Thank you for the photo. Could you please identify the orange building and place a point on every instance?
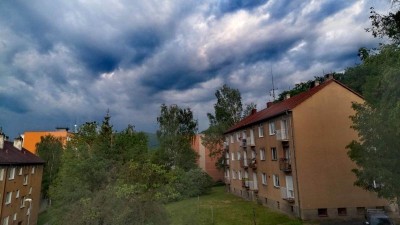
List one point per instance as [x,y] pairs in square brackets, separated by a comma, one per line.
[31,138]
[292,156]
[20,183]
[204,161]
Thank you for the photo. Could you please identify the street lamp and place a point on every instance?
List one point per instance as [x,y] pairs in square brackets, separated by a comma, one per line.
[30,206]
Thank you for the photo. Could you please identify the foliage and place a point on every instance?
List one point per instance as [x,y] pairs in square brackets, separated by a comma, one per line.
[49,149]
[377,122]
[177,129]
[299,88]
[385,25]
[191,183]
[248,109]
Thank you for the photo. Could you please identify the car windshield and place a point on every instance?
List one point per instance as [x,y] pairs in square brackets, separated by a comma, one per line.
[380,221]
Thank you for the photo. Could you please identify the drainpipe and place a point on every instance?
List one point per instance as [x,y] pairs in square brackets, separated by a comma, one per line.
[294,159]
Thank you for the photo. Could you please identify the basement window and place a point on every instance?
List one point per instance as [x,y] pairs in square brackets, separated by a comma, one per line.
[360,210]
[342,211]
[322,212]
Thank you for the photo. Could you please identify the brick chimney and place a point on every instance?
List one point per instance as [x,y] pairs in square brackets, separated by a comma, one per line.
[287,96]
[329,76]
[18,143]
[253,111]
[2,139]
[316,83]
[269,104]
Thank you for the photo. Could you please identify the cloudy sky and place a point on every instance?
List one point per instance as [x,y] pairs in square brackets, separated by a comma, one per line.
[69,61]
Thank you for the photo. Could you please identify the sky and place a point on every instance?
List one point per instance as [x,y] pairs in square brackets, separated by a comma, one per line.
[68,62]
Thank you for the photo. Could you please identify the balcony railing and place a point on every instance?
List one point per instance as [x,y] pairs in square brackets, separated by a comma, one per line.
[285,165]
[253,164]
[282,135]
[244,163]
[287,194]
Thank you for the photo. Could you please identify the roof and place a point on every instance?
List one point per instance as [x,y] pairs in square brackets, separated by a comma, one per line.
[283,106]
[11,155]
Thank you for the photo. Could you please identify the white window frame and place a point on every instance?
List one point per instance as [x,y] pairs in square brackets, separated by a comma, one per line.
[260,130]
[17,194]
[26,179]
[262,154]
[272,129]
[237,136]
[244,135]
[11,173]
[276,180]
[30,190]
[22,202]
[1,174]
[238,155]
[240,175]
[233,174]
[264,178]
[33,169]
[227,174]
[8,198]
[233,156]
[20,171]
[5,220]
[15,217]
[231,138]
[274,154]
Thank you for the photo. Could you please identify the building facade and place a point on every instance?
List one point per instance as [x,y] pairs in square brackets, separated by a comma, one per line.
[205,162]
[292,156]
[20,183]
[31,138]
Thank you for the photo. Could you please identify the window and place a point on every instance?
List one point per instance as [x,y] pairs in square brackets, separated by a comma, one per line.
[8,197]
[30,190]
[1,174]
[237,136]
[25,179]
[233,174]
[33,169]
[244,136]
[271,128]
[262,154]
[22,202]
[20,171]
[238,156]
[233,156]
[274,155]
[15,216]
[17,194]
[322,212]
[264,178]
[11,173]
[227,174]
[342,211]
[231,138]
[260,131]
[239,174]
[276,180]
[5,221]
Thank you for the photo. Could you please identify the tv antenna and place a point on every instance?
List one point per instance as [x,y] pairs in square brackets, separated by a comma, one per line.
[272,92]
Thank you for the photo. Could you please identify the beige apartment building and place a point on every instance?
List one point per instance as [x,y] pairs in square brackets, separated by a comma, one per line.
[292,156]
[20,183]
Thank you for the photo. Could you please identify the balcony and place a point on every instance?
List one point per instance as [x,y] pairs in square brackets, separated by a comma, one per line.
[243,143]
[253,164]
[246,183]
[282,135]
[285,165]
[287,194]
[253,186]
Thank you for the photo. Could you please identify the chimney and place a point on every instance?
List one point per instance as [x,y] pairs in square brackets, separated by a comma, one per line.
[253,111]
[329,76]
[18,143]
[2,139]
[269,104]
[316,83]
[287,96]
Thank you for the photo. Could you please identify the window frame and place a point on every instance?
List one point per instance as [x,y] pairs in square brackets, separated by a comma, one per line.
[262,154]
[260,130]
[272,128]
[276,180]
[274,154]
[8,198]
[11,173]
[264,179]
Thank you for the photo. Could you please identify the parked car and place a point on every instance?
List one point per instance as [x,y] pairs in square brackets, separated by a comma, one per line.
[377,217]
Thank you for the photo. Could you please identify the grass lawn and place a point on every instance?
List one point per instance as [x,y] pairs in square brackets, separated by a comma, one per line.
[43,218]
[221,208]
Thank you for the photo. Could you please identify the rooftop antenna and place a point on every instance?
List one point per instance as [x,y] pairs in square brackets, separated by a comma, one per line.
[272,92]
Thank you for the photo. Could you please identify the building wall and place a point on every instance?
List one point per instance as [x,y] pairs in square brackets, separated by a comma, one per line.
[321,133]
[206,162]
[31,138]
[29,190]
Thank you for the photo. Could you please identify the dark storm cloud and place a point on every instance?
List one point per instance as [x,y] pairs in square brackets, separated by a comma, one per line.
[233,5]
[13,104]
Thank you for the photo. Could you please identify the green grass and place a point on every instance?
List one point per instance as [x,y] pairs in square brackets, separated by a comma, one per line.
[222,208]
[43,218]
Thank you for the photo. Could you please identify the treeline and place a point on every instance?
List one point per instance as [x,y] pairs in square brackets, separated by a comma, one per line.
[106,177]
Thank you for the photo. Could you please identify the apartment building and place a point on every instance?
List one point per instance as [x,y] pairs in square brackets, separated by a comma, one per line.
[20,183]
[205,162]
[292,156]
[32,138]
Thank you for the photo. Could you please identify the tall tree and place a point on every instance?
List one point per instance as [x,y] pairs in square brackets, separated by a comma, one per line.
[227,111]
[377,121]
[177,129]
[49,149]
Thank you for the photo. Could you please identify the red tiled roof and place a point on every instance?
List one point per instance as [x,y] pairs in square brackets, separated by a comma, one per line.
[11,155]
[281,107]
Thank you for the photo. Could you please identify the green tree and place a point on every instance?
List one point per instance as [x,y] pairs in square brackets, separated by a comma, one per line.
[378,124]
[386,25]
[227,111]
[49,149]
[177,129]
[248,109]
